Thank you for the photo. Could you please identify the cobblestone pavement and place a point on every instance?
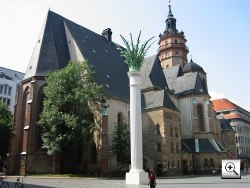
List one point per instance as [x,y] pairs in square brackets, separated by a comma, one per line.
[177,182]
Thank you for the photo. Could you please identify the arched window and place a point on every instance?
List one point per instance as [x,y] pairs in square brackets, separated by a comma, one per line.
[158,131]
[173,164]
[38,130]
[120,118]
[25,120]
[212,165]
[200,117]
[205,164]
[93,154]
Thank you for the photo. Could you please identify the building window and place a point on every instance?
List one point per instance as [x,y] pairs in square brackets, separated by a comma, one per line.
[120,118]
[177,149]
[172,148]
[212,163]
[173,164]
[158,132]
[200,117]
[175,41]
[158,147]
[178,164]
[176,52]
[1,89]
[5,89]
[9,90]
[171,131]
[6,101]
[176,132]
[205,163]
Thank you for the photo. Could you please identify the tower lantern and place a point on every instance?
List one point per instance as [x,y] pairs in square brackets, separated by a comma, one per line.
[173,49]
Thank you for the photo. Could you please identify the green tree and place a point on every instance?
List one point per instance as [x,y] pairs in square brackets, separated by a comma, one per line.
[66,117]
[121,143]
[5,129]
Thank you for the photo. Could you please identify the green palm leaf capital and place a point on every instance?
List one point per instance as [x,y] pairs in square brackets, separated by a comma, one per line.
[134,54]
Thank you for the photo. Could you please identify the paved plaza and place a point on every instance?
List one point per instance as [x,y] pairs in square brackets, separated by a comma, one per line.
[172,182]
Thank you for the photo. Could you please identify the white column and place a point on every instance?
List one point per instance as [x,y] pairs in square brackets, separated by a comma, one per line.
[136,175]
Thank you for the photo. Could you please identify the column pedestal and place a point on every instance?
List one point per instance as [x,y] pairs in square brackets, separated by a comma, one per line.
[137,178]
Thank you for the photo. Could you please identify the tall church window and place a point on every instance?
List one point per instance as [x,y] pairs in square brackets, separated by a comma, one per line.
[158,132]
[200,117]
[205,163]
[120,118]
[212,163]
[38,130]
[25,120]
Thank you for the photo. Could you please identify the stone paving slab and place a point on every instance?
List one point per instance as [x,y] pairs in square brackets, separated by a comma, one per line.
[180,182]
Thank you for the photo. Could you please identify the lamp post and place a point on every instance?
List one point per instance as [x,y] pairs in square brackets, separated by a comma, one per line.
[110,159]
[104,139]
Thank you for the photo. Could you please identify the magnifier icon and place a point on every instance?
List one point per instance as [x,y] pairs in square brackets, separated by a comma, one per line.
[230,167]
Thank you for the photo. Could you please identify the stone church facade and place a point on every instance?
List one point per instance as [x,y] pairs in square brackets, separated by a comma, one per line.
[180,131]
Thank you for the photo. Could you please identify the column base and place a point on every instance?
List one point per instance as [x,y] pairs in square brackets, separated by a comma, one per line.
[137,178]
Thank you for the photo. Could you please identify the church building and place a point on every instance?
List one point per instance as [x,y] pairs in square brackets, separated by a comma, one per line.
[181,134]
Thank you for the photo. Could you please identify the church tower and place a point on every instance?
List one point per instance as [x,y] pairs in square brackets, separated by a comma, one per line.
[173,50]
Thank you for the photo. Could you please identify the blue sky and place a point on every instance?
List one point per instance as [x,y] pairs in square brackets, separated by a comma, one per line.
[217,33]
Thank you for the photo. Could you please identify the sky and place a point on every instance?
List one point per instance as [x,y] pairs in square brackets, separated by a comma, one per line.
[217,33]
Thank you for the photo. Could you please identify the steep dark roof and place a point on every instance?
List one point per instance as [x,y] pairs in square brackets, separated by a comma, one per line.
[11,74]
[183,85]
[51,51]
[154,99]
[192,67]
[111,71]
[225,125]
[152,74]
[201,146]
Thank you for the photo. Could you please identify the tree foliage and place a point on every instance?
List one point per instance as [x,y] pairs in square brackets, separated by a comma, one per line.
[5,129]
[121,143]
[134,53]
[66,116]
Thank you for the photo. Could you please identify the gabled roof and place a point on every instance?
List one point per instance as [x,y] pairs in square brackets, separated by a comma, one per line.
[152,74]
[155,99]
[111,71]
[186,84]
[51,51]
[223,104]
[11,74]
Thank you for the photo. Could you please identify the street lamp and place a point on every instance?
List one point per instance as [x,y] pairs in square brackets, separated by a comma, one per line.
[110,158]
[105,153]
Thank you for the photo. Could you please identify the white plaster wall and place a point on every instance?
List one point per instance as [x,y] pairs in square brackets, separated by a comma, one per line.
[116,106]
